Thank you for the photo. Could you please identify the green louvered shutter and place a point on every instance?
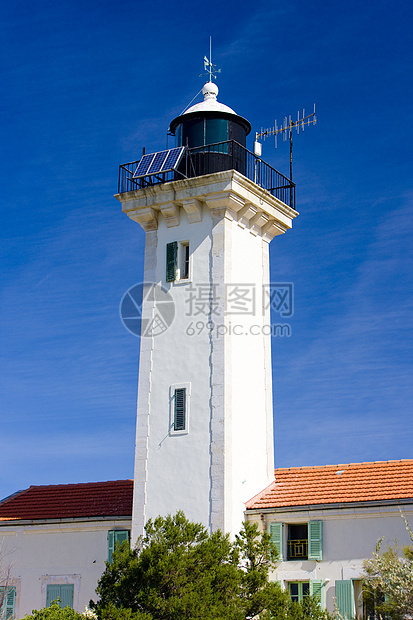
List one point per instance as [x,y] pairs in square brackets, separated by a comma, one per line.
[121,536]
[52,594]
[171,254]
[7,608]
[116,536]
[317,590]
[66,595]
[179,409]
[276,532]
[315,539]
[60,592]
[111,544]
[345,598]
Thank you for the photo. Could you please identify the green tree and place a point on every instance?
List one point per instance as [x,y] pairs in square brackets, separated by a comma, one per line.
[388,581]
[55,612]
[178,571]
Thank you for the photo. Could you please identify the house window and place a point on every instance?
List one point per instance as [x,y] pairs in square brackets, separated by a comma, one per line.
[62,593]
[297,541]
[116,537]
[298,590]
[179,408]
[304,540]
[177,261]
[7,602]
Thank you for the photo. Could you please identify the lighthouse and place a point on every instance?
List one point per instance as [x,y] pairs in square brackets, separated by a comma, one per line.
[209,208]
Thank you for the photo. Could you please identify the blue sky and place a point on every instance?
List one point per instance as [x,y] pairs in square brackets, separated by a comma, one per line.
[85,86]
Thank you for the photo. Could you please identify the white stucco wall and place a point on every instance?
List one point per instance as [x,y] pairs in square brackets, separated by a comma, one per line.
[55,553]
[349,537]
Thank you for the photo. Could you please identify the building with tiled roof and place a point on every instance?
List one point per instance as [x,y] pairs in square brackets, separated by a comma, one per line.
[325,521]
[70,501]
[57,538]
[380,481]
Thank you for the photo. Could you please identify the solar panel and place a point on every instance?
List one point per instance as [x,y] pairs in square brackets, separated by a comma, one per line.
[143,165]
[162,161]
[173,157]
[157,162]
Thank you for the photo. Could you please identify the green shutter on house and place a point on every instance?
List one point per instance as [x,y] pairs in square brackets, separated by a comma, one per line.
[61,592]
[179,409]
[315,538]
[317,591]
[114,537]
[8,596]
[66,595]
[111,544]
[345,598]
[171,256]
[121,536]
[276,533]
[52,594]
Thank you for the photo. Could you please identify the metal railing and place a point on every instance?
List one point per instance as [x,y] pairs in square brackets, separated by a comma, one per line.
[211,158]
[297,549]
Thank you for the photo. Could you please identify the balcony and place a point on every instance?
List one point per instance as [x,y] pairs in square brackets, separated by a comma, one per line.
[297,549]
[213,158]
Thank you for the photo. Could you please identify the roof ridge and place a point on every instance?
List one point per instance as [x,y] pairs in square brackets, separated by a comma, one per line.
[75,484]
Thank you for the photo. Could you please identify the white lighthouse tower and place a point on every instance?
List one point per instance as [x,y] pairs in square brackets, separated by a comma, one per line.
[209,207]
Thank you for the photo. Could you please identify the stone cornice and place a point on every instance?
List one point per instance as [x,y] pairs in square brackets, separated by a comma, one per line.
[227,194]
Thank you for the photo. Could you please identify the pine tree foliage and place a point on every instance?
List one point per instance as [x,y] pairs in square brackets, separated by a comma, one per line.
[178,571]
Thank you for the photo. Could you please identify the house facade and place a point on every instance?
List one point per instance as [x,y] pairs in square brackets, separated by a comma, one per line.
[325,521]
[54,542]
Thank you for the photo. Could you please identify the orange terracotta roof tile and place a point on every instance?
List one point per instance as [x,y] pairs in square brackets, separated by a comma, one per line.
[91,499]
[336,484]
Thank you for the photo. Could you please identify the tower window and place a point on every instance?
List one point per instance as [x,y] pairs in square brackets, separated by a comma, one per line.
[179,395]
[179,409]
[177,261]
[184,270]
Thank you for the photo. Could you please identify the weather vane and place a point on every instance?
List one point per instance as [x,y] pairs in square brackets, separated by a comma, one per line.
[209,68]
[287,131]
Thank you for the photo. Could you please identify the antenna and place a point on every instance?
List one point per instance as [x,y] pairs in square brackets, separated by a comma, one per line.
[209,68]
[286,128]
